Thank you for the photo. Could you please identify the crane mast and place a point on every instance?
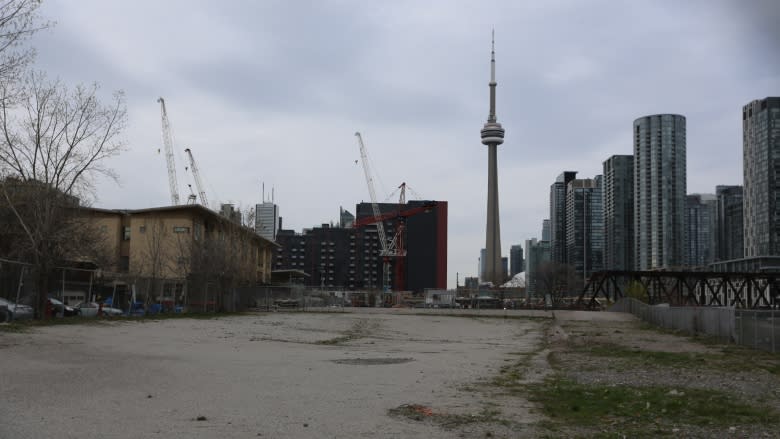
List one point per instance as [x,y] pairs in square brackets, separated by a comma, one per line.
[168,143]
[198,182]
[385,251]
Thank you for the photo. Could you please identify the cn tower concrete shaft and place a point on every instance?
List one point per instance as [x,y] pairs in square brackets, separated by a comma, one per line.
[492,136]
[494,269]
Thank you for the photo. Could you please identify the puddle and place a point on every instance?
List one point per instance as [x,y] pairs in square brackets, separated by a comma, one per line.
[373,361]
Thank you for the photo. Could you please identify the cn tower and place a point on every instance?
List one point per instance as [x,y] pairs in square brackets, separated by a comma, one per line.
[492,136]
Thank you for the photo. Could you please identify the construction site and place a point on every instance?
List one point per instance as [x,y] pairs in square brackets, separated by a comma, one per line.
[386,254]
[193,255]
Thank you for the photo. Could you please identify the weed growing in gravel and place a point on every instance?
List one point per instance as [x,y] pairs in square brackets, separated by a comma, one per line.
[640,408]
[509,376]
[335,340]
[358,330]
[731,358]
[657,358]
[15,328]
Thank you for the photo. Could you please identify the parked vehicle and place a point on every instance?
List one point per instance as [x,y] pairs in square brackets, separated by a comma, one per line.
[90,309]
[15,311]
[59,309]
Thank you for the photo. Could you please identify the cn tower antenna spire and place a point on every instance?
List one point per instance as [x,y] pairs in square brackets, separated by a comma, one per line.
[492,83]
[493,57]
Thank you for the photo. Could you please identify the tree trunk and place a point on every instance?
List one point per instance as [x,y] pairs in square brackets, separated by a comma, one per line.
[43,292]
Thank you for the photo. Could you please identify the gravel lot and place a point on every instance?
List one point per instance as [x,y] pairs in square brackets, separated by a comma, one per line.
[275,375]
[373,373]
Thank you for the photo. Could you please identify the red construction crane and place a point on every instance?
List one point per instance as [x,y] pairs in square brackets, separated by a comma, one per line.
[398,242]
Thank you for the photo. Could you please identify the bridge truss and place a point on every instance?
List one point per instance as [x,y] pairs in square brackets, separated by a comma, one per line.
[685,288]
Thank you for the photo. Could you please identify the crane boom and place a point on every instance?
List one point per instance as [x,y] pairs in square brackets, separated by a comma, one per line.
[198,182]
[385,251]
[168,143]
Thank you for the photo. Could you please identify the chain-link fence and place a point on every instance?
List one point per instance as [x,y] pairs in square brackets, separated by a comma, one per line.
[714,321]
[298,297]
[20,284]
[16,283]
[137,296]
[759,329]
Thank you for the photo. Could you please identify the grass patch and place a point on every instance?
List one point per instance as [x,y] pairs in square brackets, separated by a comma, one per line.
[645,357]
[14,328]
[730,358]
[758,359]
[569,403]
[509,376]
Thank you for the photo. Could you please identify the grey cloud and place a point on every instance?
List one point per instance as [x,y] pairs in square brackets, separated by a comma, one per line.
[289,82]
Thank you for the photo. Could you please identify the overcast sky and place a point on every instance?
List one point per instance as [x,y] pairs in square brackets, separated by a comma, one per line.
[273,91]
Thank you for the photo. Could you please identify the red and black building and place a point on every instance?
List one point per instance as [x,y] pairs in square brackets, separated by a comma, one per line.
[349,257]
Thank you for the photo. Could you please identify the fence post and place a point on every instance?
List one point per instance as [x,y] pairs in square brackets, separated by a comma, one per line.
[205,297]
[755,329]
[19,285]
[741,339]
[772,330]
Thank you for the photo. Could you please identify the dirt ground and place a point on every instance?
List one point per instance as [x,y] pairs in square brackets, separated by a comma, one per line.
[275,375]
[365,373]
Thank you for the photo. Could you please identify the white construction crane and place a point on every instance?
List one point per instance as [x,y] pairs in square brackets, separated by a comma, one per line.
[168,142]
[386,252]
[198,182]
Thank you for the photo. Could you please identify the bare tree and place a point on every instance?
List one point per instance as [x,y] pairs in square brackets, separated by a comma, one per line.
[53,143]
[219,262]
[556,279]
[249,218]
[157,261]
[19,20]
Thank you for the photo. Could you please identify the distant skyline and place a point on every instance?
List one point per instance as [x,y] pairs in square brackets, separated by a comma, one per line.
[273,91]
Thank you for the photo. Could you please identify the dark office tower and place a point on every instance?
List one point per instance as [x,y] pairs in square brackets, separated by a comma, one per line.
[546,230]
[425,265]
[558,216]
[728,223]
[659,191]
[584,226]
[700,220]
[537,253]
[618,194]
[761,169]
[516,260]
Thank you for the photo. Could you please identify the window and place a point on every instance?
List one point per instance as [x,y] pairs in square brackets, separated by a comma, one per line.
[126,233]
[179,229]
[104,228]
[142,229]
[197,231]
